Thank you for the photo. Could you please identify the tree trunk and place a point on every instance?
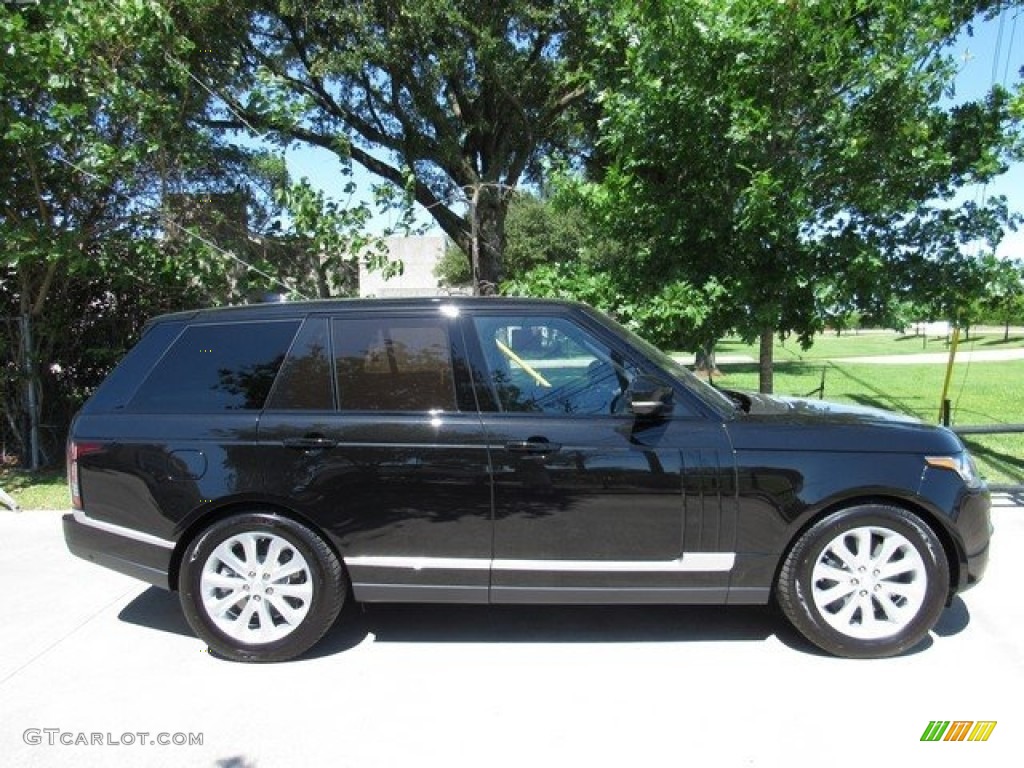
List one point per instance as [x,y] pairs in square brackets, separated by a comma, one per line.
[488,209]
[1006,330]
[766,374]
[323,288]
[30,372]
[704,358]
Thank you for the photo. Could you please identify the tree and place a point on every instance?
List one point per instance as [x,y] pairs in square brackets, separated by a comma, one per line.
[553,252]
[539,230]
[1004,295]
[326,240]
[783,158]
[454,100]
[95,140]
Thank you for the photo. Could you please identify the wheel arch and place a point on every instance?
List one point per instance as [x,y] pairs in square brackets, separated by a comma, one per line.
[243,506]
[953,550]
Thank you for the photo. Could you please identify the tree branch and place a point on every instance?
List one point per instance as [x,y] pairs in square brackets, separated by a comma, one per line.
[453,225]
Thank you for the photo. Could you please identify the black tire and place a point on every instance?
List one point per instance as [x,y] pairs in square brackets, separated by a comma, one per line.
[288,595]
[867,581]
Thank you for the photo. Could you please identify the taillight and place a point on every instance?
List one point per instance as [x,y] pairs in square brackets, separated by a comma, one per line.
[75,451]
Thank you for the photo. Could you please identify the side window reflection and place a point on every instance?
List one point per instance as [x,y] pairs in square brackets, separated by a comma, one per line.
[217,367]
[551,365]
[396,364]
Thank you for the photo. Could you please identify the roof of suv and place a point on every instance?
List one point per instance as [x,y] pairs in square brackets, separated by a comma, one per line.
[298,308]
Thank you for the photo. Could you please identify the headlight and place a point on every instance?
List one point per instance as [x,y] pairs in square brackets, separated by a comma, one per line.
[961,463]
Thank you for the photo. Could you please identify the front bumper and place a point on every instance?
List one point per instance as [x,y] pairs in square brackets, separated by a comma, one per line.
[129,552]
[974,524]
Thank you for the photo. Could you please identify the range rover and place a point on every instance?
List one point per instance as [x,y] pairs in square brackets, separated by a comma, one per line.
[270,462]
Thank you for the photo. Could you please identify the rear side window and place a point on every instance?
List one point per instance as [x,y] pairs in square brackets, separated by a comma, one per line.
[217,367]
[394,364]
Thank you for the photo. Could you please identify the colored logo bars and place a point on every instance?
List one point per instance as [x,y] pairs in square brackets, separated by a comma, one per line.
[958,730]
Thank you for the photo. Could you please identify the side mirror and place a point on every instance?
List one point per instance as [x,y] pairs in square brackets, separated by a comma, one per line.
[647,396]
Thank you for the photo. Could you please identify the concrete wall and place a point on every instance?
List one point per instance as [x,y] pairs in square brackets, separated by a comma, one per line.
[420,256]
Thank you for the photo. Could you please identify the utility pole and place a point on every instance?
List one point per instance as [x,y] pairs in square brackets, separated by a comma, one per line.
[474,233]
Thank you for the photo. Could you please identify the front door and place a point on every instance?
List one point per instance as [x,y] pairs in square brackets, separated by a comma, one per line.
[592,503]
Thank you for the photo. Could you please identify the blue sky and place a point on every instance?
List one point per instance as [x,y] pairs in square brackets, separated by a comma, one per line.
[994,54]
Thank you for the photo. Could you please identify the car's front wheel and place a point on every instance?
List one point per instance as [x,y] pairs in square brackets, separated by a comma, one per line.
[260,587]
[867,581]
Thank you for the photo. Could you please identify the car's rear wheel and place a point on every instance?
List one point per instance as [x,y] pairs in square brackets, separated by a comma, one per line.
[865,582]
[260,587]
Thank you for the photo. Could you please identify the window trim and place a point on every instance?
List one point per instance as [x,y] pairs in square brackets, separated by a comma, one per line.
[332,384]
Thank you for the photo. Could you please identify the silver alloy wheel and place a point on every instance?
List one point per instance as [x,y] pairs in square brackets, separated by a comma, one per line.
[256,587]
[869,582]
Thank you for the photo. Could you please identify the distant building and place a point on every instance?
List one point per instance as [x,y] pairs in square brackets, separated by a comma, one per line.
[420,256]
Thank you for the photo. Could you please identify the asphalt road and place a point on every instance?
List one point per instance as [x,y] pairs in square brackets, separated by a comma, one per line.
[87,656]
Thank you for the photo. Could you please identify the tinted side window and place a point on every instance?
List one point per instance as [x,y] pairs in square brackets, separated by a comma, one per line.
[551,365]
[305,379]
[217,367]
[394,364]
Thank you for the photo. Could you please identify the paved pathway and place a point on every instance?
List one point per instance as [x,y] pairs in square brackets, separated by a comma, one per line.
[964,356]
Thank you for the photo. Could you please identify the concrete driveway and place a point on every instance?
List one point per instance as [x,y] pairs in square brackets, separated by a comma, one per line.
[109,666]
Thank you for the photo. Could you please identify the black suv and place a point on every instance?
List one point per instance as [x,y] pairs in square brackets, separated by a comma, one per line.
[269,462]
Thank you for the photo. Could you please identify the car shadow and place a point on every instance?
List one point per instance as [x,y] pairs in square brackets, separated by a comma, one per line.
[157,609]
[953,620]
[545,624]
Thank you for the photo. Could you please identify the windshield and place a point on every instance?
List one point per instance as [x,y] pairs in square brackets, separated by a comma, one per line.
[710,396]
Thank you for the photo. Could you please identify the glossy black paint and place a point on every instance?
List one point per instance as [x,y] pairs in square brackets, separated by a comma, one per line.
[478,504]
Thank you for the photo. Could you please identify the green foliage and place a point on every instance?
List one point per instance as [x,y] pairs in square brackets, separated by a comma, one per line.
[1003,301]
[100,161]
[553,251]
[543,231]
[36,490]
[453,100]
[330,240]
[539,231]
[791,153]
[454,269]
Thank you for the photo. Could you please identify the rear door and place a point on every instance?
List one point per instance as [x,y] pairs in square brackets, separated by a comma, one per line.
[373,431]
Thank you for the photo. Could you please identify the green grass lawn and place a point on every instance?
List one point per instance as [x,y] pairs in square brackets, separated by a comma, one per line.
[36,490]
[981,392]
[872,343]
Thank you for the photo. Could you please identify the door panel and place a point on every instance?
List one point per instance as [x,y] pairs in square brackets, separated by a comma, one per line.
[614,515]
[593,504]
[399,475]
[405,497]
